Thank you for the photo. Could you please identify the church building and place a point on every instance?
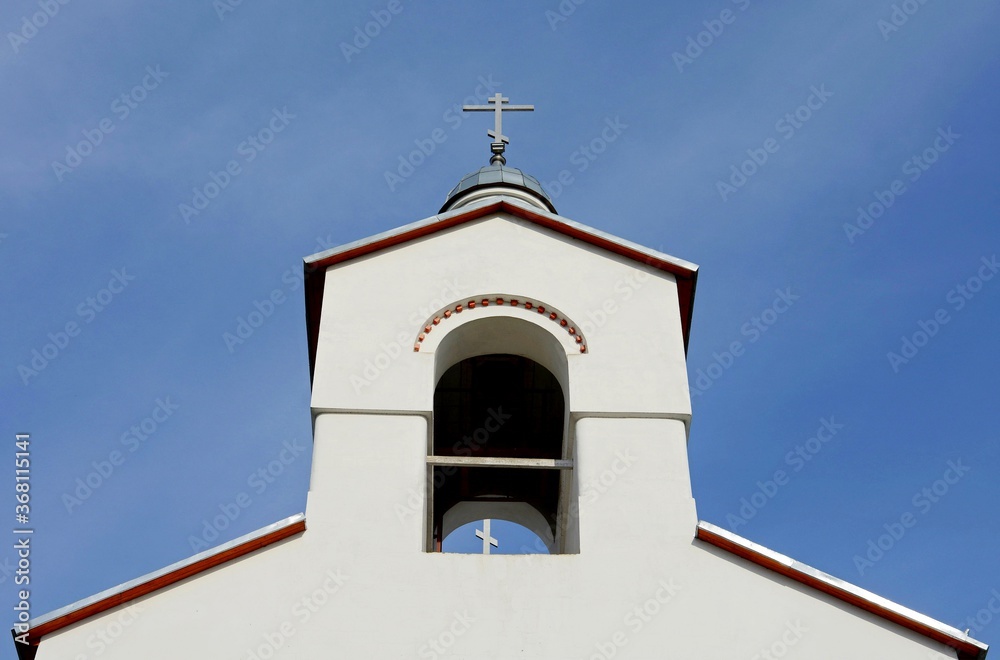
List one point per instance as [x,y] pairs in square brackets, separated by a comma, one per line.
[495,363]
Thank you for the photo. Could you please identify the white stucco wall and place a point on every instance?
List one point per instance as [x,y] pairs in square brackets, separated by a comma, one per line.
[375,306]
[358,583]
[394,599]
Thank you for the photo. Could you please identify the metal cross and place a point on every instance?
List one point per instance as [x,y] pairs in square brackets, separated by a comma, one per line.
[497,105]
[485,536]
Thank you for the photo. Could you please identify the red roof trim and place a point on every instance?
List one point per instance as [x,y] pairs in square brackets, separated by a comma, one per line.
[35,634]
[315,281]
[966,651]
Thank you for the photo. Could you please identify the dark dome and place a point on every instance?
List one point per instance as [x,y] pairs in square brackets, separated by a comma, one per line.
[494,176]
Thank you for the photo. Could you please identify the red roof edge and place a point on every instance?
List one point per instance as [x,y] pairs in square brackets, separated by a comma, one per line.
[967,649]
[315,281]
[297,525]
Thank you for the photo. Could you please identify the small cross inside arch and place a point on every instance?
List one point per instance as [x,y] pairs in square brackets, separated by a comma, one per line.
[488,540]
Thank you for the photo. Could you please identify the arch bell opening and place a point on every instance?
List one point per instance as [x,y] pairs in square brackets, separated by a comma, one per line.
[500,442]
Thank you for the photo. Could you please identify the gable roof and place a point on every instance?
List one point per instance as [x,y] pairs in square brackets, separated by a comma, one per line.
[967,647]
[147,584]
[685,273]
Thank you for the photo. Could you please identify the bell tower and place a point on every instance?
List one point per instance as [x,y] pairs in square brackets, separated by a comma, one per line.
[499,362]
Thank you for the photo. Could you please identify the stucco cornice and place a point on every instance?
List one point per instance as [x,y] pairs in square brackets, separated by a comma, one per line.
[684,272]
[130,591]
[967,647]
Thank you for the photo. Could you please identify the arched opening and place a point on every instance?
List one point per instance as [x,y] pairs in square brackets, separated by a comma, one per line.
[496,537]
[498,448]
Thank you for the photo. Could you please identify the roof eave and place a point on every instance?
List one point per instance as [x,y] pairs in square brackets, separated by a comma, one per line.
[967,647]
[63,617]
[685,272]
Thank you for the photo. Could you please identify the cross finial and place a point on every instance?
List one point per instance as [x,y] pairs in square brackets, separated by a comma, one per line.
[487,539]
[500,141]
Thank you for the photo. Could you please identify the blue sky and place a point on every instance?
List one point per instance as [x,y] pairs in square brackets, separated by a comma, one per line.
[833,100]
